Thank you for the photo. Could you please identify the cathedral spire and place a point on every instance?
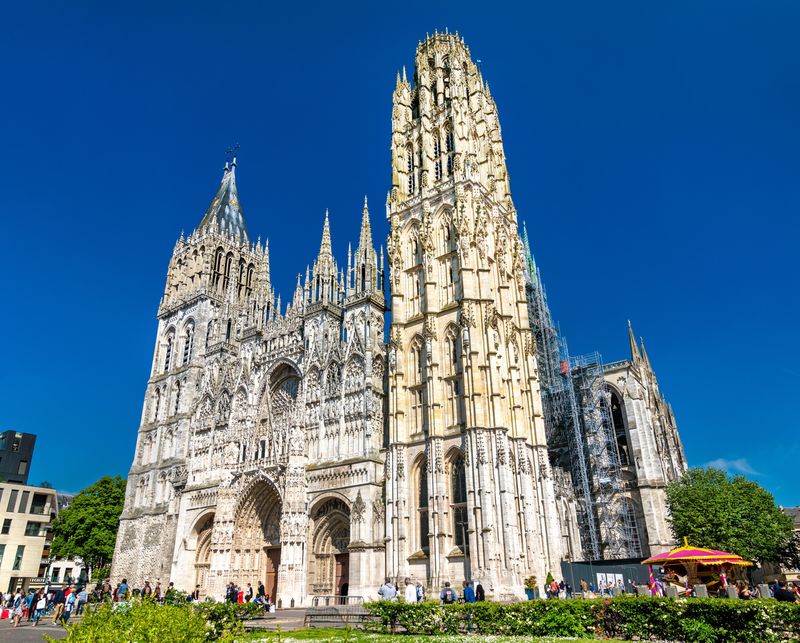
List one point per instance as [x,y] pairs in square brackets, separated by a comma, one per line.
[635,355]
[224,214]
[325,246]
[365,238]
[644,355]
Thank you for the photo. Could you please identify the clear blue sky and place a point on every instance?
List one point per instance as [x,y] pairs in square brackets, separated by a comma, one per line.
[653,149]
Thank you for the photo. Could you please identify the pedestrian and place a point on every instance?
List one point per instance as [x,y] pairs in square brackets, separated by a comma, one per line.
[30,601]
[40,607]
[83,598]
[387,592]
[420,592]
[17,606]
[58,602]
[248,597]
[261,591]
[584,587]
[157,592]
[196,594]
[447,595]
[469,593]
[784,595]
[480,595]
[410,592]
[122,590]
[743,590]
[69,604]
[147,592]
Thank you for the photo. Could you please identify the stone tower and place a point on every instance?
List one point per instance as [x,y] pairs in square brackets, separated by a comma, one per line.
[469,490]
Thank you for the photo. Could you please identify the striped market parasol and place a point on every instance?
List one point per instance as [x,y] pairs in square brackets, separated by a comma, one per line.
[688,554]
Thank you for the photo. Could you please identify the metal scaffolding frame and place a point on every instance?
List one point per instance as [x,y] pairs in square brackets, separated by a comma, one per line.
[580,431]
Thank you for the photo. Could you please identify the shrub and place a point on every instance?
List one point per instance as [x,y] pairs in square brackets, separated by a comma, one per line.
[709,620]
[225,619]
[140,622]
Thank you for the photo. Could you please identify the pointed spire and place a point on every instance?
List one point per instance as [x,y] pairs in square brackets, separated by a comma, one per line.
[325,246]
[365,238]
[405,80]
[635,355]
[224,214]
[644,355]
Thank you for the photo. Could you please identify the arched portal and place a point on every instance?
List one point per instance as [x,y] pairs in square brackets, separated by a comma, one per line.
[256,550]
[329,567]
[202,557]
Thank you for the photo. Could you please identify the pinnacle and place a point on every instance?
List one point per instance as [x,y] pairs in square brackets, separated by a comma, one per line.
[325,246]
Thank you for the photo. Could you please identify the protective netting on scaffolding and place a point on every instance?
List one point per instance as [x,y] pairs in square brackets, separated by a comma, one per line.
[580,431]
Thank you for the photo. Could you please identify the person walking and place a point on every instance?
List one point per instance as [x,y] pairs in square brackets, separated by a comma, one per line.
[261,591]
[147,592]
[249,594]
[122,591]
[30,602]
[447,595]
[40,605]
[480,594]
[83,598]
[69,604]
[420,592]
[58,603]
[196,594]
[17,606]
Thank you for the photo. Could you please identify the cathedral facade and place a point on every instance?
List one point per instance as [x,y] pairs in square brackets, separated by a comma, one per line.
[292,444]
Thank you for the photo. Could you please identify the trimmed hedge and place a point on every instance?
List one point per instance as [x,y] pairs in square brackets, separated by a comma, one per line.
[148,622]
[710,620]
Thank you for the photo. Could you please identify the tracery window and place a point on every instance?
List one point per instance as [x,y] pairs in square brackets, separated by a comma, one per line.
[176,410]
[458,495]
[168,352]
[156,404]
[437,155]
[450,147]
[422,507]
[410,170]
[188,342]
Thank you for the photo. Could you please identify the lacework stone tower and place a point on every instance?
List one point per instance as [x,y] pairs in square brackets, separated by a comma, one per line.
[258,455]
[469,491]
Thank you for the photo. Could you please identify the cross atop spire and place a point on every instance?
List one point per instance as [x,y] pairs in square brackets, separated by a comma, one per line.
[224,214]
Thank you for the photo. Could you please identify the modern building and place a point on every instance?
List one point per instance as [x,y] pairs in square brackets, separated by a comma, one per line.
[26,514]
[63,571]
[290,444]
[16,454]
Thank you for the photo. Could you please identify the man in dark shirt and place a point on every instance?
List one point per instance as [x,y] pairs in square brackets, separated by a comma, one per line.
[783,594]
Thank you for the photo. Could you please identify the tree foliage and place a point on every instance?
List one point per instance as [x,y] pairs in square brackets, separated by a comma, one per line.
[715,510]
[88,526]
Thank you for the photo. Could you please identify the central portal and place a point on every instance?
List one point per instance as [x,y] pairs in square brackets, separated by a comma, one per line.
[329,568]
[256,551]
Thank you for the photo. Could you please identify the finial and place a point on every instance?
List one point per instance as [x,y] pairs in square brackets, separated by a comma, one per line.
[235,152]
[404,74]
[365,201]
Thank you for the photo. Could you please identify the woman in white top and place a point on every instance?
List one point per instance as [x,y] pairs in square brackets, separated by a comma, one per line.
[411,591]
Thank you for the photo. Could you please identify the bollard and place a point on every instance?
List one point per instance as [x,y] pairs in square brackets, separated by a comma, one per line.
[642,590]
[732,593]
[701,591]
[763,590]
[672,591]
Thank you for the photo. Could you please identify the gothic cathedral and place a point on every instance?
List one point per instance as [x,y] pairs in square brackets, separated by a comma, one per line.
[290,444]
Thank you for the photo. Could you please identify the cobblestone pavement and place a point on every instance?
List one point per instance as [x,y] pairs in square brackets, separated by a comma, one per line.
[26,633]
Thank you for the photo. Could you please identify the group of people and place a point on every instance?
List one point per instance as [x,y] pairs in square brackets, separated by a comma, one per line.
[34,605]
[236,594]
[414,592]
[780,590]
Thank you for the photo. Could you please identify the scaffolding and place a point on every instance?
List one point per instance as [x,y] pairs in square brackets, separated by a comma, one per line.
[580,430]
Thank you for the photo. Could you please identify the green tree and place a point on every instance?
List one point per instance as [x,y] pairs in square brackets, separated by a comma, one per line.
[731,513]
[88,526]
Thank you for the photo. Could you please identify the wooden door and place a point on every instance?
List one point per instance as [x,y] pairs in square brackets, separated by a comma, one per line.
[342,574]
[273,563]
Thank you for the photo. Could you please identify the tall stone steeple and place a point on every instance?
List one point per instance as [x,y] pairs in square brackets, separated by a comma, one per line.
[462,378]
[364,275]
[325,286]
[225,214]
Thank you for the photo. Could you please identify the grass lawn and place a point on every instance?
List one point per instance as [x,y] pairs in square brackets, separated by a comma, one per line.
[356,636]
